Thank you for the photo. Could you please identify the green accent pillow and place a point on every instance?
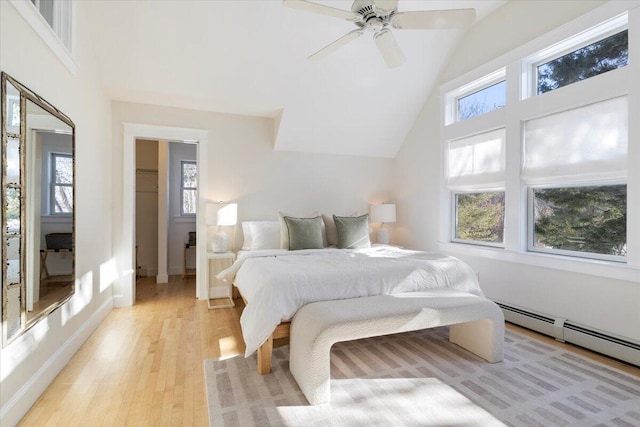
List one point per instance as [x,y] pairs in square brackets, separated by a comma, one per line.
[353,231]
[304,233]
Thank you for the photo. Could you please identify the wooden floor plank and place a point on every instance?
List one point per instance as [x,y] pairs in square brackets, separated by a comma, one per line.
[143,366]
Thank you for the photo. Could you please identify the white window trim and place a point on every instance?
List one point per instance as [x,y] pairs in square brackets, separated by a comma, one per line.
[605,86]
[32,15]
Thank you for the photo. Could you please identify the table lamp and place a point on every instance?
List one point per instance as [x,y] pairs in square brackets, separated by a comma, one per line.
[225,215]
[383,213]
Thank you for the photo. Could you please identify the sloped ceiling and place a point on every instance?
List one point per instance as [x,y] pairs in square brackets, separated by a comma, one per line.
[249,58]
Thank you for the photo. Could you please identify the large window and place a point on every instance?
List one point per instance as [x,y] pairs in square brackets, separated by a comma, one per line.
[562,150]
[549,175]
[188,189]
[475,179]
[61,196]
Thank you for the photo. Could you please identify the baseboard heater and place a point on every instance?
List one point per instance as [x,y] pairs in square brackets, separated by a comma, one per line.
[565,330]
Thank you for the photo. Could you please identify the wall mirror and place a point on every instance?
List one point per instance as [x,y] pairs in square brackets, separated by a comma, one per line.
[37,208]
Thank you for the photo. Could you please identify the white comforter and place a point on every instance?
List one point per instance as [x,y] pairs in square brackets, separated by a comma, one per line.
[276,283]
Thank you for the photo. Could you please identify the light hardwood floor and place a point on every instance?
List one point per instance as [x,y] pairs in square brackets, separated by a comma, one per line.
[144,365]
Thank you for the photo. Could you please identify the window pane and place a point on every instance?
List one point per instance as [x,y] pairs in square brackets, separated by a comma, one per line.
[46,9]
[597,58]
[13,161]
[584,219]
[63,199]
[480,217]
[480,102]
[188,201]
[189,175]
[63,170]
[12,200]
[14,273]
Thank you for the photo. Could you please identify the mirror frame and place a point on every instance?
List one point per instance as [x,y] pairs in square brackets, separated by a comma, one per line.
[27,94]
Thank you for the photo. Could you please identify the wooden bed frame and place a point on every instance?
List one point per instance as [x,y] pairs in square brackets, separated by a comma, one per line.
[266,349]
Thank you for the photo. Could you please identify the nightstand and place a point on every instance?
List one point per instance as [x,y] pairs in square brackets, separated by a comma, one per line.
[217,289]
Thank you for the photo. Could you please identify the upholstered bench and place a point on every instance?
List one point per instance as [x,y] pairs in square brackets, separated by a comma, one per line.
[477,324]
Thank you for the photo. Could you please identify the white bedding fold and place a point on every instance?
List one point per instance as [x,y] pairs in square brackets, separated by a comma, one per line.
[276,283]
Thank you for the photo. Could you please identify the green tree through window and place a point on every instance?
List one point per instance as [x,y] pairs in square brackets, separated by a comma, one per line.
[597,58]
[480,217]
[584,219]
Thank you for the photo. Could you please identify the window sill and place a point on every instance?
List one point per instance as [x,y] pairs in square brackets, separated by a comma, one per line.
[184,219]
[608,269]
[55,219]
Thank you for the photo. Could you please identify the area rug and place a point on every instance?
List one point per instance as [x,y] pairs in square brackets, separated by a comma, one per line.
[421,379]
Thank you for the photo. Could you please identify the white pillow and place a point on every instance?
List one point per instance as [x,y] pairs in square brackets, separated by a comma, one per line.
[261,235]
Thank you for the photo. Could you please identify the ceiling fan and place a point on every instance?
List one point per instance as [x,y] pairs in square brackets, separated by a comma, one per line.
[379,17]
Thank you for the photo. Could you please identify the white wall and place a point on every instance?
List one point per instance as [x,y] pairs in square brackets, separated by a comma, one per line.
[598,302]
[30,363]
[244,168]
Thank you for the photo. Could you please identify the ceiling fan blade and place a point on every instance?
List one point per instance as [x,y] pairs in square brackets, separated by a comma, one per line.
[336,44]
[389,48]
[308,6]
[385,6]
[433,19]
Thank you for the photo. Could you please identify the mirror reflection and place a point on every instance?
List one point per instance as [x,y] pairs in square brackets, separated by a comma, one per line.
[49,166]
[38,208]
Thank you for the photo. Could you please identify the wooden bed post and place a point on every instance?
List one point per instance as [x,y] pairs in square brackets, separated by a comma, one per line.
[264,351]
[264,356]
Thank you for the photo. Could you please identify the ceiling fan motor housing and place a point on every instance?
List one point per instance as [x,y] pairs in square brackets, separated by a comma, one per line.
[371,19]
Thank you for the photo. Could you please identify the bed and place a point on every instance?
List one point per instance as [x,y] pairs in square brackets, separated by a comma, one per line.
[276,283]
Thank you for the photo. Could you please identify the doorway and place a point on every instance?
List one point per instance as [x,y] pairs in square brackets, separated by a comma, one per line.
[124,290]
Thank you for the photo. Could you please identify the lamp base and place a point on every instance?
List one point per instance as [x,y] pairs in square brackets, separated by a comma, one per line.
[383,235]
[220,242]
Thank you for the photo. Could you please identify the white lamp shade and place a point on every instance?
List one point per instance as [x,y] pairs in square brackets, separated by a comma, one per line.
[228,214]
[382,213]
[222,214]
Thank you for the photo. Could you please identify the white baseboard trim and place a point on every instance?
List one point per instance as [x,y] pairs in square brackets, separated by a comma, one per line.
[119,301]
[13,411]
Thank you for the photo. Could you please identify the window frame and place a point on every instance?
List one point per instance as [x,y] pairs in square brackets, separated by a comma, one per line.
[53,184]
[530,224]
[183,188]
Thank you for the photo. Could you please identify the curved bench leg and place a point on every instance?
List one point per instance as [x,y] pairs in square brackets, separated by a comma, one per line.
[483,337]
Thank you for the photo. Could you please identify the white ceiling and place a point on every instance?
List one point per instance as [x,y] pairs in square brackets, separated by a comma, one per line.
[249,57]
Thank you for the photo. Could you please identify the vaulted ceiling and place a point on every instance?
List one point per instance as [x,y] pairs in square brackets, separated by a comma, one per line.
[249,58]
